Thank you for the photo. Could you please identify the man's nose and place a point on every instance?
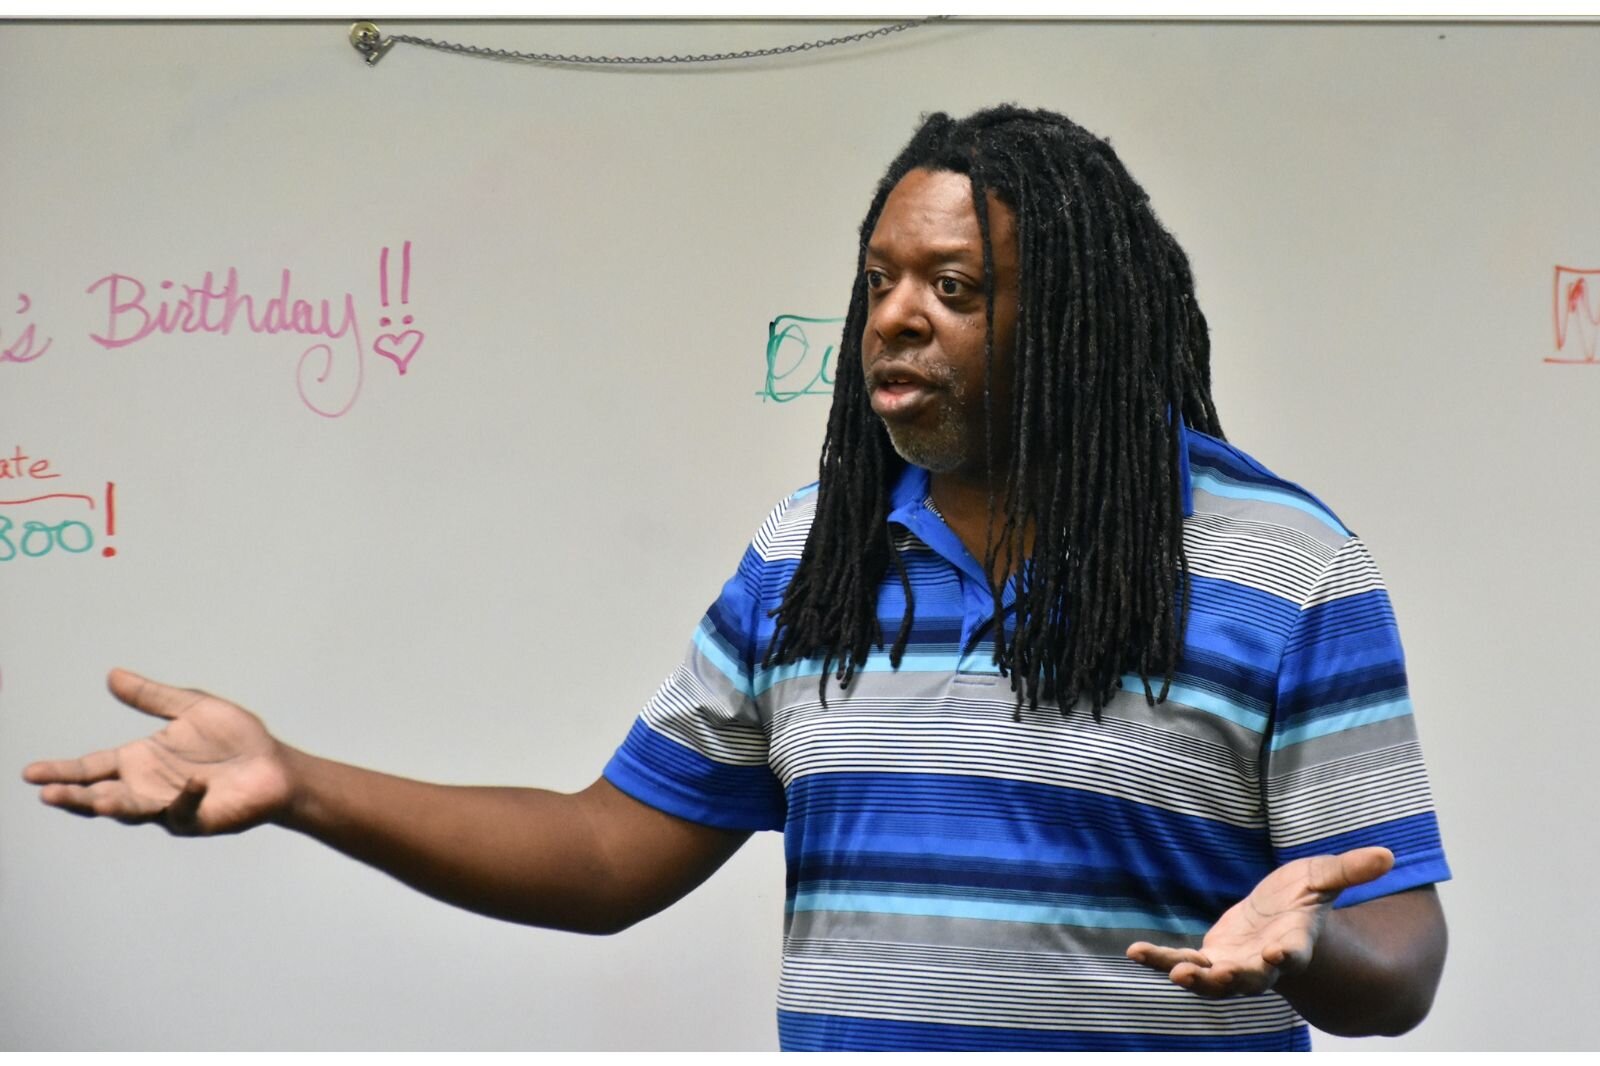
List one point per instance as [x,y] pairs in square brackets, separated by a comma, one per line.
[899,313]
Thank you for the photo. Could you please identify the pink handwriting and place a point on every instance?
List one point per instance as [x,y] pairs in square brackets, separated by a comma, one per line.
[398,348]
[206,308]
[328,379]
[328,376]
[21,350]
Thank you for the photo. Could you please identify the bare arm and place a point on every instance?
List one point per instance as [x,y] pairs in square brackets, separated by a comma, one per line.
[1376,966]
[1365,970]
[595,861]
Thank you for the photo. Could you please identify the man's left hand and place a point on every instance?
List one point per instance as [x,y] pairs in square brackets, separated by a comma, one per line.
[1271,932]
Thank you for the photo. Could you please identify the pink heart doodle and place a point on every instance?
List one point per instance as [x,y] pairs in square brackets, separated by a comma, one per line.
[394,347]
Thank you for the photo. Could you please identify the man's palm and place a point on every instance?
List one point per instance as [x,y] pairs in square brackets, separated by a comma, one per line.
[1272,931]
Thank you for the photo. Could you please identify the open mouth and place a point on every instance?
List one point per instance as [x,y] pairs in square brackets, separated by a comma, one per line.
[898,392]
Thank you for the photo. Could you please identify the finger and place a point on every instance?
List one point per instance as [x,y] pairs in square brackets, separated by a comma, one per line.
[105,799]
[182,816]
[151,697]
[1332,874]
[1208,981]
[1164,958]
[95,767]
[1224,979]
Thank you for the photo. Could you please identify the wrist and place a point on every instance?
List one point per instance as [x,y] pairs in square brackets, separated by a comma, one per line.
[299,770]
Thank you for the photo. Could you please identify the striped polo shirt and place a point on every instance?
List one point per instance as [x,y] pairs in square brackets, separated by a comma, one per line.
[961,880]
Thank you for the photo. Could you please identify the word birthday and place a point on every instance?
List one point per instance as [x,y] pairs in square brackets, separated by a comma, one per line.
[329,373]
[133,315]
[208,308]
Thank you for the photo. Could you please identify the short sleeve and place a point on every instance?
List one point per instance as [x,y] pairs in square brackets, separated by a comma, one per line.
[1344,768]
[698,750]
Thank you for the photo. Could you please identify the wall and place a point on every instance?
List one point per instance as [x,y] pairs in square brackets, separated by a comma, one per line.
[467,545]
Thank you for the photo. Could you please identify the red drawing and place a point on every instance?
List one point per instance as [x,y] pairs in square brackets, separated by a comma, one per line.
[19,465]
[51,496]
[111,518]
[398,348]
[1576,315]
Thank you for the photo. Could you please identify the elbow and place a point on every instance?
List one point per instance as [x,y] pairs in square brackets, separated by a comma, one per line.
[590,913]
[1391,1005]
[607,924]
[601,913]
[585,919]
[1398,1016]
[1404,1015]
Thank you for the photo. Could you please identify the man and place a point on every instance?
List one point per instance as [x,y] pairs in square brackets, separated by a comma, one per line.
[1117,811]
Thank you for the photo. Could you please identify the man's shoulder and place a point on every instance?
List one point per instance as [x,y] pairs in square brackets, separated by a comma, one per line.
[1232,488]
[782,536]
[1252,529]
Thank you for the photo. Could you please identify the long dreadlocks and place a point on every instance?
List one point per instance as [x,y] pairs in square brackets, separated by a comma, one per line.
[1111,349]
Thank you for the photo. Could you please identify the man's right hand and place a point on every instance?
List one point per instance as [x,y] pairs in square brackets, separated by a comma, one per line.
[214,768]
[594,861]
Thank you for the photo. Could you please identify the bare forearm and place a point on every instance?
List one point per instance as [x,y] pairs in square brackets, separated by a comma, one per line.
[523,855]
[1375,968]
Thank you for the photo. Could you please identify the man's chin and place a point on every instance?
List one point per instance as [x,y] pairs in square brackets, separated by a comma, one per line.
[934,456]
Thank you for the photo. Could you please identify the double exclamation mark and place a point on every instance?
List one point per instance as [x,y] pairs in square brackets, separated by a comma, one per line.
[405,281]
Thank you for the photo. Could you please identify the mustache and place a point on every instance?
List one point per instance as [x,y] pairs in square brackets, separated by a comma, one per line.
[894,370]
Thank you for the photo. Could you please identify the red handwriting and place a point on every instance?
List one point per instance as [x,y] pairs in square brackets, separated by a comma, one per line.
[1574,307]
[19,465]
[21,350]
[51,496]
[111,517]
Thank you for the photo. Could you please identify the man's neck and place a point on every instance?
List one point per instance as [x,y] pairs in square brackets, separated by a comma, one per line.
[964,504]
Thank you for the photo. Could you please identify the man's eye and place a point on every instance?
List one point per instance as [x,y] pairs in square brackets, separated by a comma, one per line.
[875,279]
[950,287]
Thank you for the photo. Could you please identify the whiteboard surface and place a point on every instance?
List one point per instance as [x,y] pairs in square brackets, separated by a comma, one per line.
[477,570]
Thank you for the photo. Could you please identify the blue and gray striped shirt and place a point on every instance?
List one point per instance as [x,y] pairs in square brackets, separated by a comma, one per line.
[959,880]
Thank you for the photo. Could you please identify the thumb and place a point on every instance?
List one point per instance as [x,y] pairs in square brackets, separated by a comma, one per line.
[182,816]
[1332,874]
[151,697]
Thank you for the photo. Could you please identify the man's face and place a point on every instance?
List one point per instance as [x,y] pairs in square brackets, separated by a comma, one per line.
[922,350]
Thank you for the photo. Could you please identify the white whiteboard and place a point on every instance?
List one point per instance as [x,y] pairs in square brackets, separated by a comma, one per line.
[481,569]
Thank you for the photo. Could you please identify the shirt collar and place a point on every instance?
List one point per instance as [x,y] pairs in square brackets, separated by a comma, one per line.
[1185,479]
[909,504]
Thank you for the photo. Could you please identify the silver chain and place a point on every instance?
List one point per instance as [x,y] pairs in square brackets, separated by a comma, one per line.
[373,54]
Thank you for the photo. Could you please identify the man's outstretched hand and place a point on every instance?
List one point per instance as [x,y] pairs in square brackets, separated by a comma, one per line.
[214,768]
[1272,932]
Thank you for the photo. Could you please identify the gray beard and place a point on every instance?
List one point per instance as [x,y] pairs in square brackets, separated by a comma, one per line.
[937,450]
[941,447]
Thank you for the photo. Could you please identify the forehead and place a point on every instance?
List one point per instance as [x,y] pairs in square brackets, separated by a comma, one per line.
[931,212]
